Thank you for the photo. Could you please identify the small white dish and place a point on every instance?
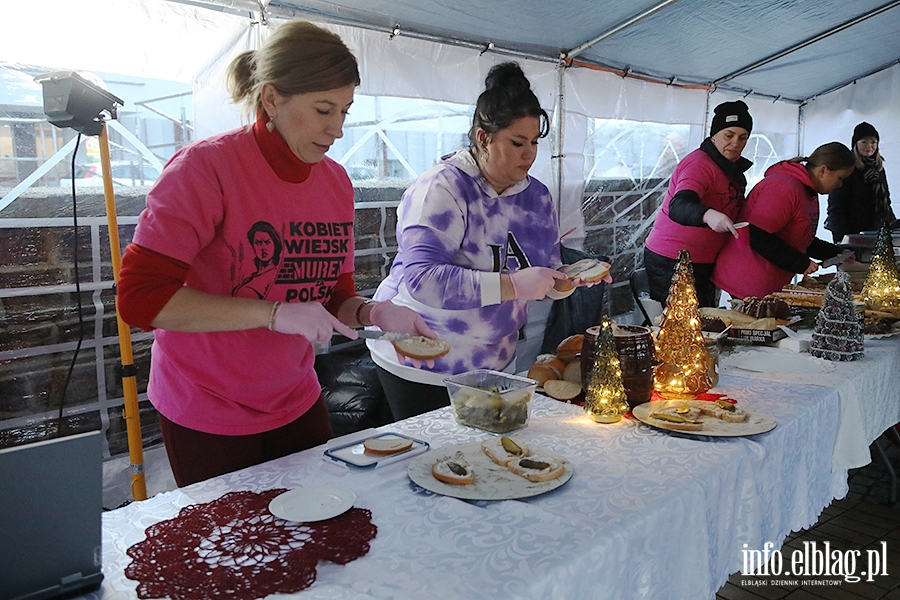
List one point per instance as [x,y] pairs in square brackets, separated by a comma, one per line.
[312,503]
[555,294]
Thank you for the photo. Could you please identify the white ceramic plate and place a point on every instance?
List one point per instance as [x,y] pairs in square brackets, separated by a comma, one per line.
[492,481]
[756,422]
[312,503]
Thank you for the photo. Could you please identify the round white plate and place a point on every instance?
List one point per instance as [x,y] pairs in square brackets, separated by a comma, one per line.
[312,503]
[492,481]
[756,422]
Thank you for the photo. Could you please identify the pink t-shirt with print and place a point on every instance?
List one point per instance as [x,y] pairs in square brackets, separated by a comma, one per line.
[220,207]
[699,173]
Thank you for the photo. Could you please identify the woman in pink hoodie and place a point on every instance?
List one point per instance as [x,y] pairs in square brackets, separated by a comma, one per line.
[783,212]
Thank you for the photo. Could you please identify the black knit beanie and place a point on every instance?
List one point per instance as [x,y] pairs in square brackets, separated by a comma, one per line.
[731,114]
[864,130]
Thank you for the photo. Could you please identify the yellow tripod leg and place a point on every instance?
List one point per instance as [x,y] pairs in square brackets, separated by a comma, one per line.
[129,375]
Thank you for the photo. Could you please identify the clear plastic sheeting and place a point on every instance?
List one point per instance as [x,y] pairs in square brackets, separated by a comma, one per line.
[150,38]
[833,117]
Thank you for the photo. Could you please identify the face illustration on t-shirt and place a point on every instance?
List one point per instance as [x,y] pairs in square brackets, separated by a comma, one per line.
[735,200]
[301,263]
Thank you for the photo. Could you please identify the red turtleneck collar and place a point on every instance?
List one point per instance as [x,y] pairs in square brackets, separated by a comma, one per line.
[276,152]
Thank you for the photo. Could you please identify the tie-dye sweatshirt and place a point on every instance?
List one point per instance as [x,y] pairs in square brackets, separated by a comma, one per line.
[456,235]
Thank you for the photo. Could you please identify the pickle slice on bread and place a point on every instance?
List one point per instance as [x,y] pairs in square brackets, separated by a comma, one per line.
[536,468]
[454,470]
[503,449]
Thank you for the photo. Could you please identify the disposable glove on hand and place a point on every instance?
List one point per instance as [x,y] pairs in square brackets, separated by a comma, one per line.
[719,222]
[309,319]
[533,283]
[391,317]
[811,268]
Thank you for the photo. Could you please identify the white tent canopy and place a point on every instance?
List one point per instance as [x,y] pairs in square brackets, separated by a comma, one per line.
[781,57]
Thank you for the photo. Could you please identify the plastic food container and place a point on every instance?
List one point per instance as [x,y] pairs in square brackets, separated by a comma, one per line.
[491,400]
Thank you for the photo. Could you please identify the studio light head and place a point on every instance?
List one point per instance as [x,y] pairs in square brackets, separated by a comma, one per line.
[71,100]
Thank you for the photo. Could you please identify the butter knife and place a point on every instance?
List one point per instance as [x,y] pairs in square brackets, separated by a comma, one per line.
[388,336]
[836,260]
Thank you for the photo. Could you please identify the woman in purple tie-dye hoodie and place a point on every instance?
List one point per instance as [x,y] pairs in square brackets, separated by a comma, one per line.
[477,239]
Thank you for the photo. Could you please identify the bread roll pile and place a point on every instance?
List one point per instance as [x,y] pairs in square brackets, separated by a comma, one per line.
[560,374]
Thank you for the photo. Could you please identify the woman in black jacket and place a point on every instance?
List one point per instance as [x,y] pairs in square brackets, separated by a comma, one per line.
[863,201]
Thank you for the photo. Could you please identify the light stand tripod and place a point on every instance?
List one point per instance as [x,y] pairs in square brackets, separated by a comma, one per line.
[72,101]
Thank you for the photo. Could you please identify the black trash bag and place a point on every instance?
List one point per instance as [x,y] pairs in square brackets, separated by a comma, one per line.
[583,309]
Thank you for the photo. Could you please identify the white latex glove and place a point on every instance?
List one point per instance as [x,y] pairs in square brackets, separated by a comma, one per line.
[309,319]
[812,268]
[390,317]
[534,283]
[719,222]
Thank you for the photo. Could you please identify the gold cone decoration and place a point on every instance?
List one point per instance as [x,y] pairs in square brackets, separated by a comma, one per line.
[681,354]
[882,286]
[605,400]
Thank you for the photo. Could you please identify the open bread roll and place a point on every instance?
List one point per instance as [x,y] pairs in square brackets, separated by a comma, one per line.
[386,446]
[453,470]
[536,468]
[501,450]
[670,420]
[587,270]
[421,347]
[560,389]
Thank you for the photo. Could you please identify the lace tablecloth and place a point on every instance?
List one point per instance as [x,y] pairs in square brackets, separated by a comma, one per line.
[233,547]
[647,514]
[869,389]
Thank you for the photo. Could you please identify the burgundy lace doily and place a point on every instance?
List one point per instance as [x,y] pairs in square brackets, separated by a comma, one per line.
[234,547]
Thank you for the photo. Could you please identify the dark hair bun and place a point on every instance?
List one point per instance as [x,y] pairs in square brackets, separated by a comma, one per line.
[508,75]
[507,96]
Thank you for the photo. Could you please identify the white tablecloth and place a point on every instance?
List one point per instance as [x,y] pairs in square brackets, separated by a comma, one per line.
[647,514]
[869,389]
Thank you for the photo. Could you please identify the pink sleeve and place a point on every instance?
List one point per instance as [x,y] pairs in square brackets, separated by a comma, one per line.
[697,176]
[184,210]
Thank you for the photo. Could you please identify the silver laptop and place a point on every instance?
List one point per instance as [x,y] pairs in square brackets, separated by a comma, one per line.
[51,495]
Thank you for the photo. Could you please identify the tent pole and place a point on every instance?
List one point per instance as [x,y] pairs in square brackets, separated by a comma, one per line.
[557,156]
[129,375]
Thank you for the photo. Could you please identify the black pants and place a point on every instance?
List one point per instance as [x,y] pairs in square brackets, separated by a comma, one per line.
[410,398]
[660,270]
[195,456]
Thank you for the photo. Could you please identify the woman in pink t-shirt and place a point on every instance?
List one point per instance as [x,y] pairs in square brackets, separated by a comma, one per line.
[783,212]
[243,259]
[705,193]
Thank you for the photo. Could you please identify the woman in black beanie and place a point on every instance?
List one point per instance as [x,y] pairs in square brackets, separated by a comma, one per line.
[863,202]
[705,193]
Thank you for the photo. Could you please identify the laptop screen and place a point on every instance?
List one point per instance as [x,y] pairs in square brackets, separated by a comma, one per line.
[51,495]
